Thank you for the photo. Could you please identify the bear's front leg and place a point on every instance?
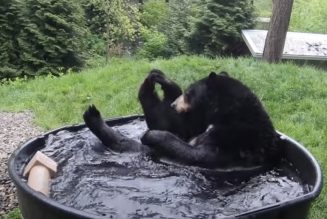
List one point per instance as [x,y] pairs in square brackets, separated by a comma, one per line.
[170,88]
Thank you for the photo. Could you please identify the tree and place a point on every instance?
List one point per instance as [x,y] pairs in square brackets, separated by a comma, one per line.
[177,26]
[276,36]
[51,39]
[9,26]
[154,13]
[95,16]
[117,22]
[152,41]
[218,31]
[122,25]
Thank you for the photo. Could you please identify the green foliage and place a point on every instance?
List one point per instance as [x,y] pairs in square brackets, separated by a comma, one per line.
[40,37]
[153,40]
[95,45]
[116,22]
[95,16]
[166,27]
[210,27]
[154,13]
[9,25]
[52,37]
[177,26]
[154,44]
[123,23]
[217,32]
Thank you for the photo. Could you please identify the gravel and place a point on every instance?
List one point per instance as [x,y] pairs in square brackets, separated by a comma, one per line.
[15,129]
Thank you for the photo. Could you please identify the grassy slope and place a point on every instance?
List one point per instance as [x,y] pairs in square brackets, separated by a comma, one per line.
[263,7]
[295,97]
[307,16]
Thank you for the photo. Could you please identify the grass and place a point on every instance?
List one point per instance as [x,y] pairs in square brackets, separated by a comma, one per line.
[307,16]
[15,214]
[295,97]
[263,7]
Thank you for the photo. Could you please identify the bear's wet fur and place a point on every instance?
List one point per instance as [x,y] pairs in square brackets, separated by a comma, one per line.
[240,134]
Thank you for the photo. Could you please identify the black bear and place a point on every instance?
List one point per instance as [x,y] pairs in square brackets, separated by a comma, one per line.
[241,131]
[230,126]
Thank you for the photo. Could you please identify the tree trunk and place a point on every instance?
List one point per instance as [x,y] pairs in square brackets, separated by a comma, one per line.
[276,36]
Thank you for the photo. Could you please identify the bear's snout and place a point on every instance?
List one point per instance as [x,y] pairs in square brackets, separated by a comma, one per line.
[180,105]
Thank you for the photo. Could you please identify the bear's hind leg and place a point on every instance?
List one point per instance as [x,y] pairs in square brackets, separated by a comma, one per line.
[109,137]
[168,145]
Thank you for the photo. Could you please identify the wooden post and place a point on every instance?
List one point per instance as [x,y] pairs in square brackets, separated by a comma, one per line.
[276,36]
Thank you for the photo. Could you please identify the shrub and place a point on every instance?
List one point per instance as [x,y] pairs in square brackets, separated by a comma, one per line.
[178,26]
[218,31]
[153,45]
[115,22]
[154,13]
[153,40]
[95,45]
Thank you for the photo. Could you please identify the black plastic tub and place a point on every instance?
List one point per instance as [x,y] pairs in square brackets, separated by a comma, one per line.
[34,205]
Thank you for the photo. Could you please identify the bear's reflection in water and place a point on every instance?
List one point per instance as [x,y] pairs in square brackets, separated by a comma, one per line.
[132,185]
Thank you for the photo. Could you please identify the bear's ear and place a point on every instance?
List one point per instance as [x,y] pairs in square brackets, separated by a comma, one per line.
[212,75]
[223,73]
[212,79]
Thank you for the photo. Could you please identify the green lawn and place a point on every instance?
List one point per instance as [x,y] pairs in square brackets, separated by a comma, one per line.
[263,7]
[307,16]
[295,97]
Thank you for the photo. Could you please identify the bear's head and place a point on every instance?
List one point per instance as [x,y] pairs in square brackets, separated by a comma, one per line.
[201,94]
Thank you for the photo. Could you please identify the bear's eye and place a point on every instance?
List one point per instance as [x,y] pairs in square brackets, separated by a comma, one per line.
[187,97]
[190,93]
